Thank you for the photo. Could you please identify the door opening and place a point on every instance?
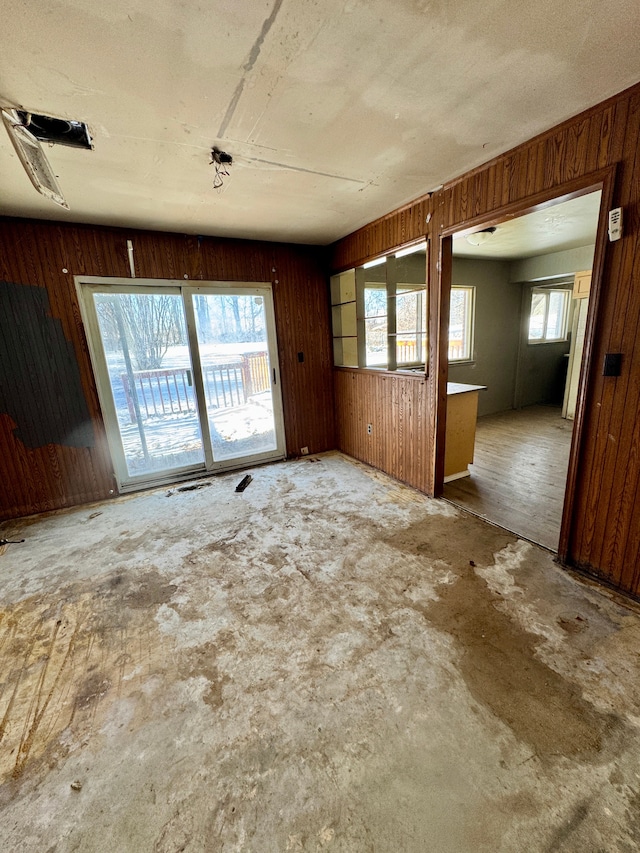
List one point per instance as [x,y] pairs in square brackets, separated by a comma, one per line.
[518,311]
[187,376]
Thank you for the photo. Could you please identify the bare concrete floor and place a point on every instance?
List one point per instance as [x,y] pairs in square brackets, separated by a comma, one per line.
[329,661]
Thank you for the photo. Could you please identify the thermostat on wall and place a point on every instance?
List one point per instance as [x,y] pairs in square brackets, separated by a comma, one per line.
[615,224]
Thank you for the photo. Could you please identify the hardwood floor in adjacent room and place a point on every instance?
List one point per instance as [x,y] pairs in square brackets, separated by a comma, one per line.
[519,473]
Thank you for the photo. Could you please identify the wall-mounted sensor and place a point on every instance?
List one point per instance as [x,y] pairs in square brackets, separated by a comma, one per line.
[615,224]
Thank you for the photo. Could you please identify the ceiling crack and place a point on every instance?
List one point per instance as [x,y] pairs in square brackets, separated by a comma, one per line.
[254,53]
[301,169]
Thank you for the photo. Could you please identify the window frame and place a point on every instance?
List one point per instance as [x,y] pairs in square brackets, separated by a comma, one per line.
[382,287]
[566,311]
[364,280]
[403,288]
[469,332]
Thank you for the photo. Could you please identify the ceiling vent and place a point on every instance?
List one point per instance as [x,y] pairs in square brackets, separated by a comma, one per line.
[56,131]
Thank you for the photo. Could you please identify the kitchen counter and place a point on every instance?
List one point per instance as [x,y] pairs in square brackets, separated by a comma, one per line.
[462,414]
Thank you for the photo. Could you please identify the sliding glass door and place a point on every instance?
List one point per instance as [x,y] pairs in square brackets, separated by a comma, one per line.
[148,365]
[236,372]
[187,377]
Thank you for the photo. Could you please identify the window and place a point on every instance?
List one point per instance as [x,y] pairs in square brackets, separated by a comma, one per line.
[375,324]
[380,312]
[549,315]
[411,335]
[461,323]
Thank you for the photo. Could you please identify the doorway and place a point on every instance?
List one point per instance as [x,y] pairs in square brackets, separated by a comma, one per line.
[187,376]
[518,316]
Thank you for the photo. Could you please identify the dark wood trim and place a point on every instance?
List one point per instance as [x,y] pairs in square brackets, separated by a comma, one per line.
[607,187]
[391,232]
[442,283]
[604,180]
[538,201]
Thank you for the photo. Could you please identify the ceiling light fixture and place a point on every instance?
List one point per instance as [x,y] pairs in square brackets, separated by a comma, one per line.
[478,238]
[33,158]
[375,263]
[410,250]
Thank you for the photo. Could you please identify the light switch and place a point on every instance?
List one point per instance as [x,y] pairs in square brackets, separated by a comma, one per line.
[612,364]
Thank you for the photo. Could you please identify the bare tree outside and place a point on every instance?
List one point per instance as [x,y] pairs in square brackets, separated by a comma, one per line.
[230,318]
[151,323]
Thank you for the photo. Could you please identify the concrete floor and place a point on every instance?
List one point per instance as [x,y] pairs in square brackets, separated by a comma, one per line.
[329,661]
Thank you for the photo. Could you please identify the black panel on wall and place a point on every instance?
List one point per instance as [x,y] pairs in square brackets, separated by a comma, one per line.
[40,386]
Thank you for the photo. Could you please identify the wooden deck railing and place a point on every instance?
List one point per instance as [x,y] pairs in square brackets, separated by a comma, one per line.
[170,391]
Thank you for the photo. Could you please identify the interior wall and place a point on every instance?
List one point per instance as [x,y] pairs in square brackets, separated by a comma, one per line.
[553,264]
[53,451]
[394,406]
[542,368]
[496,332]
[604,529]
[542,375]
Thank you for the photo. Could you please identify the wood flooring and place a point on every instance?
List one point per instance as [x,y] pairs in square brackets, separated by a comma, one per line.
[519,472]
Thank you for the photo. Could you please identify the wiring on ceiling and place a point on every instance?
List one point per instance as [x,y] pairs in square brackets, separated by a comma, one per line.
[222,162]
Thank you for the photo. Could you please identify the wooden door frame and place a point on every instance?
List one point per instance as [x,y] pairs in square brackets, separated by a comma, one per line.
[440,288]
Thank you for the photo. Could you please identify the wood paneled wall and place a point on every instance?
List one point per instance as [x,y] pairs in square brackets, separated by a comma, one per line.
[603,532]
[48,255]
[395,406]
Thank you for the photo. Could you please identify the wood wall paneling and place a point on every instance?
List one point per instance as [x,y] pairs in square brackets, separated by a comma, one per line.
[34,254]
[603,535]
[396,408]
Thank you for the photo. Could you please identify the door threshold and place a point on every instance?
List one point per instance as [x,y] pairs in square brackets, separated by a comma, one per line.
[497,524]
[196,475]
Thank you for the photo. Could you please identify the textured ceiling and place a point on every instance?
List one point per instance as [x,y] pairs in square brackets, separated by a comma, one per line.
[334,112]
[566,225]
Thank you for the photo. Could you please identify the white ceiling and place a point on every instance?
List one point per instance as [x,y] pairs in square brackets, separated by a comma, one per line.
[335,112]
[566,225]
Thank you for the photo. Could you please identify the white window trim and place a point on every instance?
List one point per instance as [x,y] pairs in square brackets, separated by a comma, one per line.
[472,325]
[565,315]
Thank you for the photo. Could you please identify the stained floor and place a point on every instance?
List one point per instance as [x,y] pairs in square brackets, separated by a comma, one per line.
[327,661]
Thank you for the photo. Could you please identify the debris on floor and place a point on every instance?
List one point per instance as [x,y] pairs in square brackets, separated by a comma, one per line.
[4,542]
[244,482]
[193,487]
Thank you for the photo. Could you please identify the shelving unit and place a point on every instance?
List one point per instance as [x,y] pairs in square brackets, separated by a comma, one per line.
[344,317]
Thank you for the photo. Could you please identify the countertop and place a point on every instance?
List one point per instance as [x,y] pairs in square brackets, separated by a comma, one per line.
[460,388]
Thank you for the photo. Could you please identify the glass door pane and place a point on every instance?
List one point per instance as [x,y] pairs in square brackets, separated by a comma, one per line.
[236,369]
[148,362]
